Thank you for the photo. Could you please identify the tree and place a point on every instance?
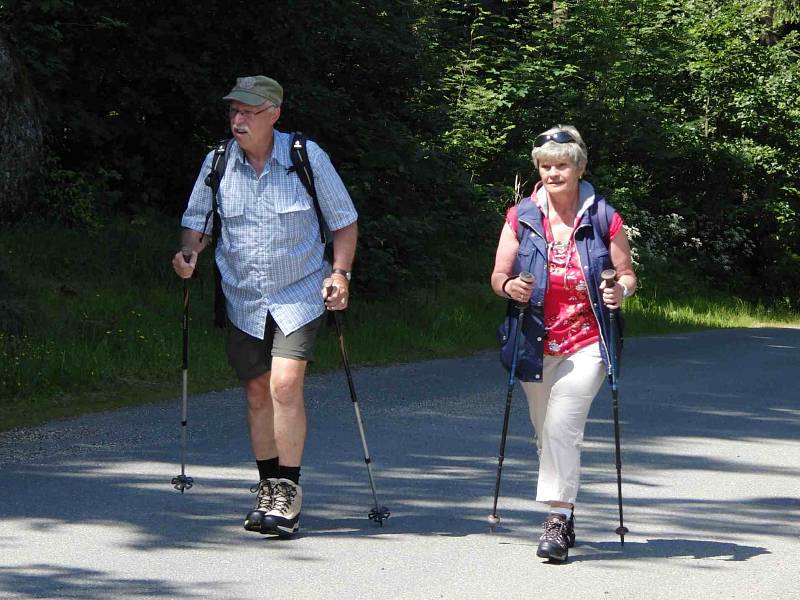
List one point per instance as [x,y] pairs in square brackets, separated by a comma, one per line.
[20,133]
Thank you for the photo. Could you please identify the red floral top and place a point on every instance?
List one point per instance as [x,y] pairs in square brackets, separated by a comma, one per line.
[568,316]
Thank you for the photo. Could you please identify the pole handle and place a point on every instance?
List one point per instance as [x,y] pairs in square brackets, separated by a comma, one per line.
[609,276]
[527,277]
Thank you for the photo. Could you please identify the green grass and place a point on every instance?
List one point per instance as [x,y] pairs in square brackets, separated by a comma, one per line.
[93,321]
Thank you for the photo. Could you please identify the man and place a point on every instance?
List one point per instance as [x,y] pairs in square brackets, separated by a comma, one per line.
[271,263]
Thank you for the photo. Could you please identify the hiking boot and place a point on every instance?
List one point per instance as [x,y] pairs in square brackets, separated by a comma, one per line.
[555,541]
[265,500]
[284,518]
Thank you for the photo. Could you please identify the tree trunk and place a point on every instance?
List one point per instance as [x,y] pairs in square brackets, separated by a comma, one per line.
[20,136]
[559,13]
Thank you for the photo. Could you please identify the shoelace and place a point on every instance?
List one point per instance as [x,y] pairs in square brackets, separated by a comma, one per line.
[284,496]
[554,529]
[266,494]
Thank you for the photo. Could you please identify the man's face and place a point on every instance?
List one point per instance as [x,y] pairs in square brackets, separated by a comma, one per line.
[252,125]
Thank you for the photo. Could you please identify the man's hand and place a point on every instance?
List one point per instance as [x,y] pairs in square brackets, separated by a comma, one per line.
[335,291]
[183,268]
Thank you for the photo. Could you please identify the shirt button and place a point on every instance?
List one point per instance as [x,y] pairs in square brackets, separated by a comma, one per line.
[538,339]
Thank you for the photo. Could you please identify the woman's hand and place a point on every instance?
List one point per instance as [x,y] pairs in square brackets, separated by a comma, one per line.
[612,295]
[518,290]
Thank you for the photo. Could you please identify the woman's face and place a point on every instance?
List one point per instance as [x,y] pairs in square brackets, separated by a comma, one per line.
[559,175]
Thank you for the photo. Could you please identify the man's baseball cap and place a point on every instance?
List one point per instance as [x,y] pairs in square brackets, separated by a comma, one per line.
[256,90]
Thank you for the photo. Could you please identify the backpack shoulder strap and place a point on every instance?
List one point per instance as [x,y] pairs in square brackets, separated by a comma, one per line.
[302,166]
[601,214]
[213,179]
[218,164]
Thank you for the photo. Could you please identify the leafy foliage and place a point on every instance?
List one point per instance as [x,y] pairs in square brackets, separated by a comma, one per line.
[428,107]
[689,110]
[132,90]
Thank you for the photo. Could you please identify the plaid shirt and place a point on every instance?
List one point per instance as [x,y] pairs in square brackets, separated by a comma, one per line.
[270,254]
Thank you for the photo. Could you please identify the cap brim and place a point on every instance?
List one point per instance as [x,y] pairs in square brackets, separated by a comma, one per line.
[246,97]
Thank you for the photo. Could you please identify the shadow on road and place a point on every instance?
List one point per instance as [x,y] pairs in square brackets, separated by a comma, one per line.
[433,429]
[54,581]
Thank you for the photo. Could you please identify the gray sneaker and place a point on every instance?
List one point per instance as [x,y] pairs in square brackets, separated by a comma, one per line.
[265,500]
[284,518]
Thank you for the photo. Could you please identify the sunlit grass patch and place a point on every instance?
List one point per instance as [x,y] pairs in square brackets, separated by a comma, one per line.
[98,322]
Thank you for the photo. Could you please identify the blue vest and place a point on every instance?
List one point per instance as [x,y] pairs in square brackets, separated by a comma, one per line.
[532,256]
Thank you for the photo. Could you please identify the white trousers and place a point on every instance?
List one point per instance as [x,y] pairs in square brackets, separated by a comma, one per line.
[558,407]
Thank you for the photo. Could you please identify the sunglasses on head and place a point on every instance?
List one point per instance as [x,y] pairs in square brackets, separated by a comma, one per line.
[559,137]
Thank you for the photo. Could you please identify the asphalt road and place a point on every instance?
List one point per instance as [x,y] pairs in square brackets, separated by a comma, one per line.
[711,470]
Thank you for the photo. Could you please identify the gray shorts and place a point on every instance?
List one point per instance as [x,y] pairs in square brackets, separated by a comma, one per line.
[251,357]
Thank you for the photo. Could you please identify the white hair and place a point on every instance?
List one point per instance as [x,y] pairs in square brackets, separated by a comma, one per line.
[574,151]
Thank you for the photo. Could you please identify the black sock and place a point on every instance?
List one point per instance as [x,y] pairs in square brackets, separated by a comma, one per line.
[268,468]
[290,473]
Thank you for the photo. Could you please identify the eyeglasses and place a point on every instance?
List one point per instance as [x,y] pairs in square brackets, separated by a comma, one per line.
[246,114]
[559,137]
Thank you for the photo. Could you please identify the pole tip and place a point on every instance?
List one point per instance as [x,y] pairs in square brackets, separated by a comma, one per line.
[379,515]
[494,521]
[182,482]
[621,531]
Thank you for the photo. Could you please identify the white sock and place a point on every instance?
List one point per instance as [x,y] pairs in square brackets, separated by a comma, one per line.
[563,510]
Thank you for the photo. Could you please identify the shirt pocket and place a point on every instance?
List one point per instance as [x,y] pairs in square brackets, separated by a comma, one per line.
[294,215]
[231,211]
[231,201]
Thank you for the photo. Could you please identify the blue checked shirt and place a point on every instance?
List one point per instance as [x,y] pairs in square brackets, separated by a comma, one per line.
[269,254]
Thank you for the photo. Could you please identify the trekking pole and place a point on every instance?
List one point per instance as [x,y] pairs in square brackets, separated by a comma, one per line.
[183,481]
[610,277]
[520,306]
[379,513]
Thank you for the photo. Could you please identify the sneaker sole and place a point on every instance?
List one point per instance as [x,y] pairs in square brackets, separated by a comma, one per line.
[552,557]
[541,553]
[270,527]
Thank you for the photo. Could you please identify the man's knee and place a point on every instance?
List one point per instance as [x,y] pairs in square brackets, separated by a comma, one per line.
[286,382]
[257,391]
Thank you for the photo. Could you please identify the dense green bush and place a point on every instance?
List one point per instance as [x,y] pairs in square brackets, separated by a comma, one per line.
[429,107]
[689,110]
[132,103]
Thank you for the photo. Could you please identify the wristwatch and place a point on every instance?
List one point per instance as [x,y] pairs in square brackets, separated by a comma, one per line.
[347,274]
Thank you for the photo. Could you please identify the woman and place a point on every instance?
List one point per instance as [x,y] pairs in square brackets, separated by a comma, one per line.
[565,236]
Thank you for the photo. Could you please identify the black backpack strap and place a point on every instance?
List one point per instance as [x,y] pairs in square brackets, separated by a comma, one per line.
[218,163]
[302,166]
